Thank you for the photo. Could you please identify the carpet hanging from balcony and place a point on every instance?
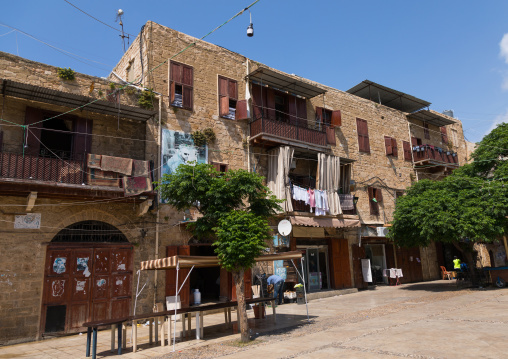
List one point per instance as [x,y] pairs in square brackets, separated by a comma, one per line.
[117,164]
[136,185]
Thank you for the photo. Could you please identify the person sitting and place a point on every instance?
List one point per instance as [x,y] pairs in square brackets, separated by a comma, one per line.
[278,286]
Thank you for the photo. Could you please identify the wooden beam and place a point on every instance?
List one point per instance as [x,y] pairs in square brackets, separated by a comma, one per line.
[143,207]
[31,201]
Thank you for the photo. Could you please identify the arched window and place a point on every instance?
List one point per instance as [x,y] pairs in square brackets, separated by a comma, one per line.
[90,231]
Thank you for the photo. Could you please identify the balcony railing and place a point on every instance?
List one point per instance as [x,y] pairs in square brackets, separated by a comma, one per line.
[42,168]
[292,130]
[424,153]
[300,206]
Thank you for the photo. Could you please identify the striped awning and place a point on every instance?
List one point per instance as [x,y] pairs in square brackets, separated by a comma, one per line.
[208,261]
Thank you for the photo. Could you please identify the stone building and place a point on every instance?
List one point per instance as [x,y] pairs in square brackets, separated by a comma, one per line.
[359,148]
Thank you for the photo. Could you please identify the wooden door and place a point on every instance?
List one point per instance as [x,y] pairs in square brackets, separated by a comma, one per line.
[358,255]
[338,252]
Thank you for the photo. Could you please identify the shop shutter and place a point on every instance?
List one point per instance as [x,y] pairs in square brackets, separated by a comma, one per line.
[395,152]
[407,150]
[33,115]
[241,110]
[336,118]
[388,145]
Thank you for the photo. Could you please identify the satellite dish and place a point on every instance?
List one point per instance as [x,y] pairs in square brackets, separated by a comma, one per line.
[285,227]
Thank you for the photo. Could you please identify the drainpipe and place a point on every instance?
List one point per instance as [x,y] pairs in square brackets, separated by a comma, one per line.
[247,97]
[159,137]
[411,146]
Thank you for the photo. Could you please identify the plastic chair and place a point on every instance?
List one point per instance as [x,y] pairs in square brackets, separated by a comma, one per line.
[445,273]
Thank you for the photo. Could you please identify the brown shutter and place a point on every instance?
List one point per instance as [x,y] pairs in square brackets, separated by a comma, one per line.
[379,195]
[319,114]
[360,137]
[414,141]
[395,152]
[388,145]
[223,86]
[407,150]
[270,103]
[444,135]
[176,72]
[187,76]
[185,292]
[371,203]
[33,135]
[82,141]
[257,102]
[292,111]
[247,279]
[336,118]
[216,165]
[187,97]
[232,89]
[223,106]
[330,136]
[301,111]
[172,91]
[241,110]
[363,135]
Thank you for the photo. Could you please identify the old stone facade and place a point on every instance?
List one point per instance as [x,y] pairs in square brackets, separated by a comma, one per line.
[253,117]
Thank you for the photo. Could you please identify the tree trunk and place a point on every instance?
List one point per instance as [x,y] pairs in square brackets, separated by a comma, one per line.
[242,311]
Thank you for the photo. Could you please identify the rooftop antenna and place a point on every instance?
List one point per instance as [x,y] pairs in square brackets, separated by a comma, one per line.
[119,15]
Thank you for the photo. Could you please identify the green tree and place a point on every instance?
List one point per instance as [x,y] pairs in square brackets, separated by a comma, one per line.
[468,206]
[235,207]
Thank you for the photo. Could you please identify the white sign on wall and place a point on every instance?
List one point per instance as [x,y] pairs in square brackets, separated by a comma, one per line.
[28,221]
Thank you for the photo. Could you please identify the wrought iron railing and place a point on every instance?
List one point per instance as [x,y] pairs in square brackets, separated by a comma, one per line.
[294,130]
[59,167]
[421,153]
[300,206]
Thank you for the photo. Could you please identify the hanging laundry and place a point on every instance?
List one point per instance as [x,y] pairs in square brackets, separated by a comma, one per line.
[312,198]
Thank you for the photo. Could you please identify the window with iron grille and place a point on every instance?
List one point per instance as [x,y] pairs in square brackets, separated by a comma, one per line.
[90,231]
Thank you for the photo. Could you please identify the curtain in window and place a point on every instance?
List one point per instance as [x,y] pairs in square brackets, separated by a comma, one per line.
[277,180]
[329,179]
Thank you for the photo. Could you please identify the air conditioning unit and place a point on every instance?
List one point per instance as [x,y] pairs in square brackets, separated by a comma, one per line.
[382,231]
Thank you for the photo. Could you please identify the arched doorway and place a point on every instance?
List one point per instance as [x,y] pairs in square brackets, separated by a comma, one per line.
[88,276]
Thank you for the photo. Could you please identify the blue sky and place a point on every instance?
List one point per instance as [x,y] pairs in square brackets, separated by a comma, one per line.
[449,53]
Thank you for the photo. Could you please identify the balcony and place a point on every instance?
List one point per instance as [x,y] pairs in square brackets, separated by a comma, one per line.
[296,133]
[435,158]
[55,174]
[300,206]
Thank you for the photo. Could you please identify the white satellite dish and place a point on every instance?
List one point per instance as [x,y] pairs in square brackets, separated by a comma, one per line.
[285,227]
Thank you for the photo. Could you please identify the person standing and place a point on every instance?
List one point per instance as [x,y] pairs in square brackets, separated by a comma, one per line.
[456,264]
[278,286]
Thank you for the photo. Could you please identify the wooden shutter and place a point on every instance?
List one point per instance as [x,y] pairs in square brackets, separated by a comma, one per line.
[301,111]
[175,76]
[379,195]
[232,89]
[414,141]
[293,118]
[187,81]
[374,206]
[336,118]
[270,103]
[407,150]
[363,135]
[338,253]
[223,97]
[395,151]
[257,102]
[444,135]
[388,145]
[241,110]
[82,141]
[330,136]
[187,97]
[33,136]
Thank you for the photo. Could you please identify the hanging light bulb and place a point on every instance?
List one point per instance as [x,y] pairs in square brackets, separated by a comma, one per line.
[250,28]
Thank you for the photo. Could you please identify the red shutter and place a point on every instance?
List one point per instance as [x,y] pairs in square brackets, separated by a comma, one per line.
[82,141]
[187,97]
[223,106]
[172,91]
[388,145]
[33,136]
[223,86]
[292,111]
[414,141]
[363,135]
[444,135]
[301,111]
[257,102]
[187,78]
[407,150]
[270,103]
[330,136]
[241,110]
[232,89]
[336,118]
[319,114]
[395,152]
[176,72]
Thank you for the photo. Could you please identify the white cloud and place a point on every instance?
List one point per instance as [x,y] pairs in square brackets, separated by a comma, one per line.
[499,119]
[503,45]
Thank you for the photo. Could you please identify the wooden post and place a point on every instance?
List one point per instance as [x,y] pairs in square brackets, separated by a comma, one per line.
[169,330]
[134,336]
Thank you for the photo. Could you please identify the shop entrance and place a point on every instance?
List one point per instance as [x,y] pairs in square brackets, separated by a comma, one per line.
[207,280]
[376,254]
[317,274]
[88,277]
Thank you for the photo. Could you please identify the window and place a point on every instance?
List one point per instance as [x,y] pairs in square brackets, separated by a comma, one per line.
[407,151]
[375,196]
[363,135]
[228,97]
[281,107]
[181,85]
[416,141]
[270,104]
[328,117]
[426,132]
[391,147]
[444,135]
[220,167]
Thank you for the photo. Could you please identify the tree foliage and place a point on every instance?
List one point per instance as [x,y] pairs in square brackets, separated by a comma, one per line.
[471,204]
